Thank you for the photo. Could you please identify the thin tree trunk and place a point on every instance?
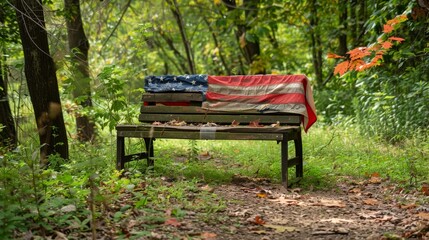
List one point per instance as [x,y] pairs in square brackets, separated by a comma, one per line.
[8,137]
[79,47]
[218,46]
[41,79]
[342,38]
[180,23]
[316,43]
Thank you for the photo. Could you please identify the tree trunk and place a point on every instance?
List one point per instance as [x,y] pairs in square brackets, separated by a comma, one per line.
[8,137]
[316,43]
[78,47]
[250,49]
[342,38]
[41,79]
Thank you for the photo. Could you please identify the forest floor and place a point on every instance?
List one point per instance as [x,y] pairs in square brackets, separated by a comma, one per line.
[257,209]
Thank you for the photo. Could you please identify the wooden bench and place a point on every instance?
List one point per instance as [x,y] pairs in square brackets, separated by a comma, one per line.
[153,113]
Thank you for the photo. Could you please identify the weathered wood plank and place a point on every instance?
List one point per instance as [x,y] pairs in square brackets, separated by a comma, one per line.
[201,135]
[221,119]
[172,97]
[237,129]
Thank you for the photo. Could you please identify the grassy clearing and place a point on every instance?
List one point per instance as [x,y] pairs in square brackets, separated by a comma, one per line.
[329,154]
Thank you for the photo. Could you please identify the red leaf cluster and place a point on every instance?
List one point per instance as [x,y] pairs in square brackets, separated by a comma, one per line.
[362,58]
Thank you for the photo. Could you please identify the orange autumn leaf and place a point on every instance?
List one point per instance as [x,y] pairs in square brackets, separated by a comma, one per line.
[341,68]
[357,64]
[333,55]
[359,53]
[255,124]
[387,45]
[397,19]
[398,39]
[261,195]
[387,28]
[258,220]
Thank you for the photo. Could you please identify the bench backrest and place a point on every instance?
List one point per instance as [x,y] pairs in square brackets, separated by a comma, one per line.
[187,107]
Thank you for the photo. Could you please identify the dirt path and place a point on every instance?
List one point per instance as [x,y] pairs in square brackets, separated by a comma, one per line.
[365,210]
[255,209]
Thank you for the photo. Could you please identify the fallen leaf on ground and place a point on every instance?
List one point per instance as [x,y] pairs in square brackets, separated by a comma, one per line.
[204,156]
[330,203]
[208,235]
[423,215]
[375,178]
[286,201]
[258,220]
[425,189]
[172,222]
[262,195]
[370,201]
[336,220]
[280,228]
[207,188]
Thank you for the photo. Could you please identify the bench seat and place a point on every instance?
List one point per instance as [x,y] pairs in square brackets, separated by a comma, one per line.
[191,121]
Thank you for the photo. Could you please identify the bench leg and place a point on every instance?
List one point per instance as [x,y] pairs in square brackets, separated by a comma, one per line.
[149,151]
[285,163]
[299,156]
[120,153]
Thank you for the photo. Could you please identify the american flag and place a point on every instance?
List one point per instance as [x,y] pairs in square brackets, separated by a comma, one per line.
[264,93]
[179,83]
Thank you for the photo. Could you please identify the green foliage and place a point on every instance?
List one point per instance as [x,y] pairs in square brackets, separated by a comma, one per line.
[110,103]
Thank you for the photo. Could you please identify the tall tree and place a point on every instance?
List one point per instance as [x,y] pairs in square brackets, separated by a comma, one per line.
[8,136]
[41,79]
[79,47]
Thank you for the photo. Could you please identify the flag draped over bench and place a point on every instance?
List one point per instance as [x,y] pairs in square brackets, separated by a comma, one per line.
[264,93]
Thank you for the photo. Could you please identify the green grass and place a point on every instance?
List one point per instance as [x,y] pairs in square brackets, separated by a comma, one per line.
[329,155]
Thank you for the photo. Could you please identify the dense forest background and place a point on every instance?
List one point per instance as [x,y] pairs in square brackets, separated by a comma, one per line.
[71,70]
[129,40]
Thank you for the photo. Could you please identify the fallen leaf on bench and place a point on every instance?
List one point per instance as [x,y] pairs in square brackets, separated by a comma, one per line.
[277,124]
[255,124]
[235,123]
[156,123]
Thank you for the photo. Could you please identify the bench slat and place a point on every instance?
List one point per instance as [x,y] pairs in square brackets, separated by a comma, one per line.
[198,135]
[221,119]
[172,97]
[237,129]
